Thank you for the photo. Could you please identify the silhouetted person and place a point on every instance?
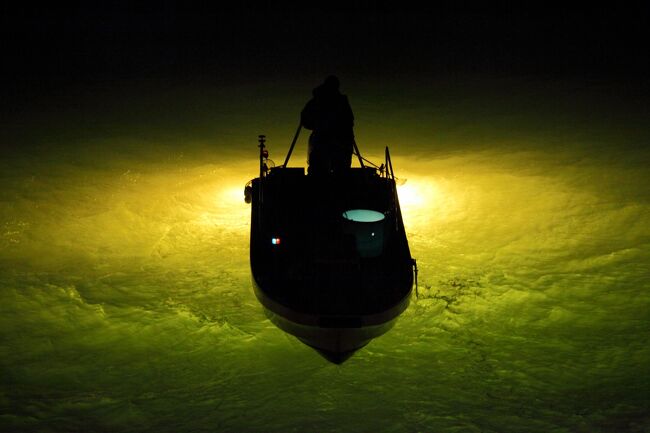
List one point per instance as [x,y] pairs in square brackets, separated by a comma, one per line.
[329,116]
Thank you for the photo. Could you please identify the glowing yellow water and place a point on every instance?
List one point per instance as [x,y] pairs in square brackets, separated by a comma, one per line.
[125,299]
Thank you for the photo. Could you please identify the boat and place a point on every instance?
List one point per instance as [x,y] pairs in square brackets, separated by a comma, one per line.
[329,256]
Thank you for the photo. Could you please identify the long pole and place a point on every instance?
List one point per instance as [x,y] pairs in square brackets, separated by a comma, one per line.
[260,186]
[293,143]
[354,142]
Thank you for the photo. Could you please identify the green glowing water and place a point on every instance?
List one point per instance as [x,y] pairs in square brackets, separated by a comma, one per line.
[125,301]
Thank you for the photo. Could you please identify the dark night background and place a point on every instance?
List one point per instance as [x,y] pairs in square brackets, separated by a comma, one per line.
[128,132]
[48,48]
[117,57]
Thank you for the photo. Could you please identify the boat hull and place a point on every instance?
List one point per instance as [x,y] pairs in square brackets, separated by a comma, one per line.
[331,281]
[335,337]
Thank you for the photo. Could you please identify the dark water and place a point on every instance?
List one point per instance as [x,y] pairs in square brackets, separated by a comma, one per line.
[125,300]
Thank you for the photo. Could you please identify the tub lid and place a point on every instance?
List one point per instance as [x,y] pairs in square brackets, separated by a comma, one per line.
[363,215]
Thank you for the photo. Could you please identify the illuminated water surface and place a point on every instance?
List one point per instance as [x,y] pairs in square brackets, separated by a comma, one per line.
[126,302]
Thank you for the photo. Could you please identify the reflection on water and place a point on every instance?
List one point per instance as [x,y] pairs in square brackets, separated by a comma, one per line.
[126,305]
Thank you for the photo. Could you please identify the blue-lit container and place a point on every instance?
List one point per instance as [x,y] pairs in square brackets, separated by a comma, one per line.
[367,226]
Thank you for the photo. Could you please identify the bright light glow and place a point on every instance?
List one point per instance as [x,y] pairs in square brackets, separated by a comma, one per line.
[418,193]
[232,194]
[409,195]
[424,200]
[231,211]
[275,241]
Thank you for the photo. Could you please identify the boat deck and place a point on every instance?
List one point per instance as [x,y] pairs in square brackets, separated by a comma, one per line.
[314,265]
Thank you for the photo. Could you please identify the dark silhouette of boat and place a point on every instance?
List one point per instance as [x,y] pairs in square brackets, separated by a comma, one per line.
[329,256]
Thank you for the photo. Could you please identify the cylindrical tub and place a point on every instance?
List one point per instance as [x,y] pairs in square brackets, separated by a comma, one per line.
[367,226]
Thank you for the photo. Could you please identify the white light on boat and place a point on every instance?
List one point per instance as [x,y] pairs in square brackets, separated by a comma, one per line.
[363,215]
